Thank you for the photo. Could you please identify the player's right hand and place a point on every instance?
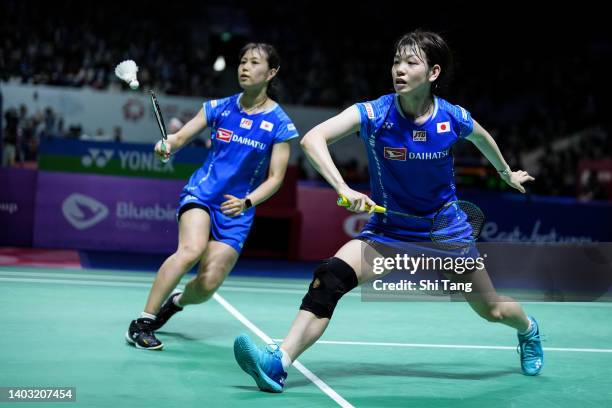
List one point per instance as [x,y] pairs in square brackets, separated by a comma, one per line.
[358,202]
[163,154]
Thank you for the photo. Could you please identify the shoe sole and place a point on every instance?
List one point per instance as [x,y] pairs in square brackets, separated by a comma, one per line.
[246,357]
[133,343]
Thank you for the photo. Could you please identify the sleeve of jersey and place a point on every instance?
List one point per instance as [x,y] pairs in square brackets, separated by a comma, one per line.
[371,114]
[213,109]
[463,120]
[286,131]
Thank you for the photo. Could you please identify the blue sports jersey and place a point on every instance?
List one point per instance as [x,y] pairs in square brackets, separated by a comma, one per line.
[237,164]
[241,149]
[410,165]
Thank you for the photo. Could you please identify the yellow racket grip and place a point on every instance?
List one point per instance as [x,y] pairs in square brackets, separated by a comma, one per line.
[344,202]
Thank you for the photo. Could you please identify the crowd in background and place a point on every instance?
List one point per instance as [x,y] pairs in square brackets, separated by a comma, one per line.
[529,87]
[24,130]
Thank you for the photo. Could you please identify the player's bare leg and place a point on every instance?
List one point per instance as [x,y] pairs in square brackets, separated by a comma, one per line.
[493,307]
[217,262]
[307,327]
[332,279]
[489,305]
[194,227]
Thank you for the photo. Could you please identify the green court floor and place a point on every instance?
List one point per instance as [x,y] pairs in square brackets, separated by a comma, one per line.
[66,327]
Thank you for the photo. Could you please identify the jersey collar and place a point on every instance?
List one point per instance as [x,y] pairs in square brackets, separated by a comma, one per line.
[429,119]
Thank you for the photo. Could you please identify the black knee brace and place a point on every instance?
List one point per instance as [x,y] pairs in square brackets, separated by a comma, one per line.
[332,279]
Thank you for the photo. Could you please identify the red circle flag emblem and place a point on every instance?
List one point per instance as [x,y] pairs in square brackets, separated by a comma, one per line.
[443,127]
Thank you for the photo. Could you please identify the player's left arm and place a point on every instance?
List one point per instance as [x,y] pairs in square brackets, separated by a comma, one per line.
[276,174]
[487,146]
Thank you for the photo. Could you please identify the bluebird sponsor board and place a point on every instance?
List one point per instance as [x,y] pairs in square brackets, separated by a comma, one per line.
[106,212]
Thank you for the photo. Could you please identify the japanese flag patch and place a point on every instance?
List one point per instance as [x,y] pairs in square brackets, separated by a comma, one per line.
[265,125]
[443,127]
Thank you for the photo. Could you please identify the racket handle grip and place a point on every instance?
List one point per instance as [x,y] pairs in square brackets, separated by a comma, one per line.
[344,202]
[164,159]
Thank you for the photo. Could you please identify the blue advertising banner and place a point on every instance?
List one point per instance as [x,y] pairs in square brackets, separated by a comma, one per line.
[522,218]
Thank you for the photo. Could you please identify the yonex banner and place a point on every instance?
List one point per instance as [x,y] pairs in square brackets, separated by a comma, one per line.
[110,158]
[106,212]
[17,206]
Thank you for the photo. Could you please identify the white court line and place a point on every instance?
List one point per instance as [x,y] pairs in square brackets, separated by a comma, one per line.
[452,346]
[78,282]
[92,282]
[354,343]
[144,277]
[289,288]
[232,310]
[307,373]
[238,285]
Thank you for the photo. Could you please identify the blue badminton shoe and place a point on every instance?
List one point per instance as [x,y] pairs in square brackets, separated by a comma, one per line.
[263,364]
[530,349]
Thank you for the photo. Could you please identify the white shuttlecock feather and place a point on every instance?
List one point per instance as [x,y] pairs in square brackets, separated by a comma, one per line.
[127,71]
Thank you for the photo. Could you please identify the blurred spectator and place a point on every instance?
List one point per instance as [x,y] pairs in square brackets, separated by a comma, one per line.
[117,134]
[74,131]
[51,125]
[534,93]
[9,144]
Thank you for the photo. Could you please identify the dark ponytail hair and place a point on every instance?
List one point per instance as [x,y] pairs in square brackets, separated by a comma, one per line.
[273,63]
[436,51]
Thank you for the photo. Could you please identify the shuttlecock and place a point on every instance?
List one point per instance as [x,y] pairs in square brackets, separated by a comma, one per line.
[127,71]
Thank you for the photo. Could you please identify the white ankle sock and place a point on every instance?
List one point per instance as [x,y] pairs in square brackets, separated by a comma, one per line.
[528,328]
[286,360]
[146,315]
[177,299]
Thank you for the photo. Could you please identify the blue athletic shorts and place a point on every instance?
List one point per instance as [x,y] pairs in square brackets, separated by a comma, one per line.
[232,231]
[400,243]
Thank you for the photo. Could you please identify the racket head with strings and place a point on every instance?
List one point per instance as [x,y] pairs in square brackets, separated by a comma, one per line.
[457,225]
[160,122]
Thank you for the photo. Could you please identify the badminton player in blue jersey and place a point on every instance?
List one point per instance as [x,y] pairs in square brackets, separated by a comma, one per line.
[247,164]
[408,136]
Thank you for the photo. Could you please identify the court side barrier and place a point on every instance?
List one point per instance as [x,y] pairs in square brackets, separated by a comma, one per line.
[137,214]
